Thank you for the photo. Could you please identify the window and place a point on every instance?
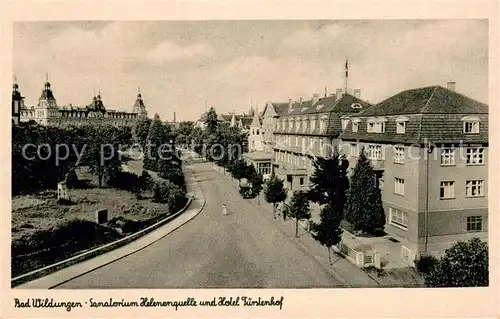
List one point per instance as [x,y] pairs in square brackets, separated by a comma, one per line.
[400,127]
[398,218]
[474,223]
[320,143]
[313,124]
[475,155]
[471,127]
[447,156]
[399,155]
[474,189]
[447,190]
[345,122]
[301,181]
[354,127]
[257,131]
[296,141]
[298,123]
[399,186]
[375,127]
[290,125]
[374,152]
[353,150]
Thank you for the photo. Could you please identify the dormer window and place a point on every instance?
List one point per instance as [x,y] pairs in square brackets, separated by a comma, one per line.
[303,109]
[401,124]
[319,107]
[355,125]
[375,125]
[471,125]
[345,121]
[356,106]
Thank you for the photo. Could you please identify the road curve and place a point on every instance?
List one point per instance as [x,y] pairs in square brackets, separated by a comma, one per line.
[240,250]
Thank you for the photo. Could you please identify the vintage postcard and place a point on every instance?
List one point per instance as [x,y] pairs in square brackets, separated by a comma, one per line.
[193,159]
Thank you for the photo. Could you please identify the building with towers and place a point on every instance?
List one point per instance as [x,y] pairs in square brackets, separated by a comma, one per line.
[48,112]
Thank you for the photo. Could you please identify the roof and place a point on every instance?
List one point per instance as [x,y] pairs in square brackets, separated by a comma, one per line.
[246,121]
[280,107]
[432,114]
[96,104]
[345,105]
[427,100]
[258,155]
[47,94]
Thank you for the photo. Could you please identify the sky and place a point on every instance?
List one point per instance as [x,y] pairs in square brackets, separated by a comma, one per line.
[182,66]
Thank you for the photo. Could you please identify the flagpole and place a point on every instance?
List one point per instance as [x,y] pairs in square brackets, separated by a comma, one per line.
[346,74]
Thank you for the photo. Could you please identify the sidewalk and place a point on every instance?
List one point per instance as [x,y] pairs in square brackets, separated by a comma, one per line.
[66,274]
[341,268]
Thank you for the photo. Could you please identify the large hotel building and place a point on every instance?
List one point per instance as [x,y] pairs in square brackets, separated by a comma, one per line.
[47,112]
[428,147]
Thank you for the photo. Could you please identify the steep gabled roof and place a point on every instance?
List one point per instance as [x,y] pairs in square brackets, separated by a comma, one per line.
[427,100]
[345,105]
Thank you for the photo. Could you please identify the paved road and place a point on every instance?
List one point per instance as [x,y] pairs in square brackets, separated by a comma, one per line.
[241,250]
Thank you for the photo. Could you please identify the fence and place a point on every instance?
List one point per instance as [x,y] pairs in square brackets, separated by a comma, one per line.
[359,258]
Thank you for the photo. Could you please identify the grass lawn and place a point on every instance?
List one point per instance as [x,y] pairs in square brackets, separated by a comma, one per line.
[44,231]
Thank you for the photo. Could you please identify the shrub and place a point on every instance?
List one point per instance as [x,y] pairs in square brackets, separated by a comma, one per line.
[126,181]
[78,233]
[168,193]
[426,263]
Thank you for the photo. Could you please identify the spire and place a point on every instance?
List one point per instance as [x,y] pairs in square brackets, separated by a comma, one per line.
[326,92]
[255,120]
[233,120]
[139,92]
[15,86]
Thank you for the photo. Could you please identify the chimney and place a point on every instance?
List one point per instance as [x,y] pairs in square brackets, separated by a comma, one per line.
[174,118]
[289,104]
[300,101]
[357,93]
[338,94]
[451,86]
[315,99]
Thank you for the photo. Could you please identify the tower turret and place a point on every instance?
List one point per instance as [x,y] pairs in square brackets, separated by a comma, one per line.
[139,106]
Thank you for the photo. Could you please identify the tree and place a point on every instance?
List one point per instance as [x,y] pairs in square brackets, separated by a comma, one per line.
[329,187]
[140,131]
[329,182]
[364,210]
[211,121]
[274,192]
[157,137]
[101,154]
[465,264]
[328,232]
[299,208]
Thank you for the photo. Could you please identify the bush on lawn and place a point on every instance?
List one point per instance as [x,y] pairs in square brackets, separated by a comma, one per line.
[168,193]
[77,234]
[126,181]
[426,263]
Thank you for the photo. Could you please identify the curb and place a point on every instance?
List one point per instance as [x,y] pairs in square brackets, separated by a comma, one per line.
[35,274]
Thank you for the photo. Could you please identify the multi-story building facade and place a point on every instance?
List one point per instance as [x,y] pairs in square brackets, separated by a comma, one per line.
[47,112]
[429,147]
[257,155]
[308,129]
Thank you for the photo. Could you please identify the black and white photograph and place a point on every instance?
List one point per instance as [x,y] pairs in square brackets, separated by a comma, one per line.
[248,153]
